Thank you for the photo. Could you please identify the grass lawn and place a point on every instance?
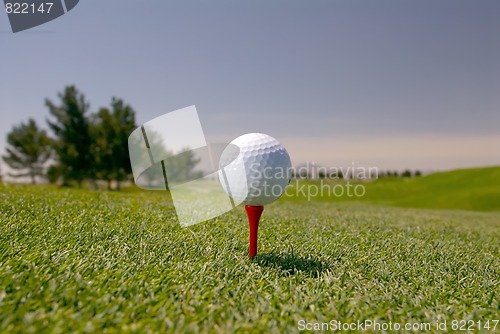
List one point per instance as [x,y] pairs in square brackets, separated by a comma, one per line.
[76,260]
[476,189]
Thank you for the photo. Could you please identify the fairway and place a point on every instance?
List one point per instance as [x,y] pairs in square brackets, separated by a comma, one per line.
[475,189]
[87,261]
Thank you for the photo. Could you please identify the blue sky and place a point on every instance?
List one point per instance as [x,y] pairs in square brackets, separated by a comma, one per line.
[392,84]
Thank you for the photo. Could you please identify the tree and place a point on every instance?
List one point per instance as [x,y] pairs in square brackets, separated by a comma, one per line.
[418,173]
[337,174]
[71,128]
[304,174]
[111,129]
[406,173]
[28,150]
[181,167]
[152,178]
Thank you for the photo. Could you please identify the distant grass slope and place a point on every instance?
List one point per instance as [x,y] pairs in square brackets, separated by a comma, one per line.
[475,189]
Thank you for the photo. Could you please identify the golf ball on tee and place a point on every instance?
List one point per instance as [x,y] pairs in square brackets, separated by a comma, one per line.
[254,169]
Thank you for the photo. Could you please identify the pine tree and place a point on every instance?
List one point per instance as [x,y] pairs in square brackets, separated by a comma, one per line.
[111,130]
[70,125]
[28,150]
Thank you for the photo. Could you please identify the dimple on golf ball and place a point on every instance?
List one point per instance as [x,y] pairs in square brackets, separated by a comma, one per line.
[254,169]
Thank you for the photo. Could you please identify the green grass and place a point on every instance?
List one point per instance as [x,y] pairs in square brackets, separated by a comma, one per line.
[85,261]
[475,189]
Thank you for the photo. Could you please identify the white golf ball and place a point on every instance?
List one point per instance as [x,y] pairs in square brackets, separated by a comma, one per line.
[254,169]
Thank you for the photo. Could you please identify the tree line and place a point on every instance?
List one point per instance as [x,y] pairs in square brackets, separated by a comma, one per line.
[80,146]
[306,174]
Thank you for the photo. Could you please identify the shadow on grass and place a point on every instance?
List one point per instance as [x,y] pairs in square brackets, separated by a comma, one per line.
[291,264]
